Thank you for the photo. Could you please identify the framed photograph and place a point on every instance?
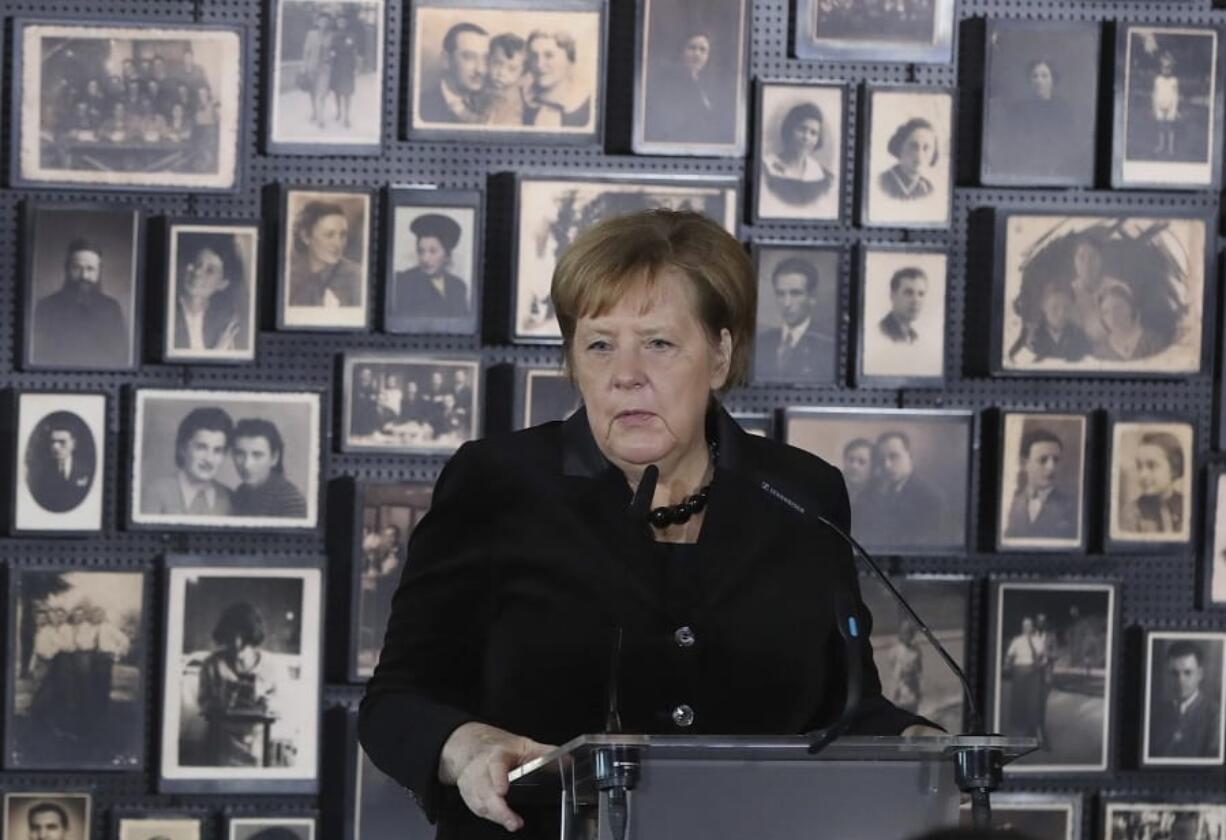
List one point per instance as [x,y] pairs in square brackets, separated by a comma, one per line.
[1215,539]
[225,459]
[1103,294]
[552,211]
[155,826]
[82,287]
[1168,107]
[913,676]
[326,85]
[543,394]
[1176,820]
[908,472]
[691,77]
[212,274]
[76,668]
[434,274]
[485,70]
[410,403]
[901,334]
[128,106]
[1185,689]
[50,814]
[1041,816]
[762,425]
[376,806]
[270,828]
[798,152]
[1040,103]
[241,684]
[907,31]
[1151,463]
[1043,488]
[1052,653]
[799,297]
[325,259]
[59,456]
[387,515]
[908,157]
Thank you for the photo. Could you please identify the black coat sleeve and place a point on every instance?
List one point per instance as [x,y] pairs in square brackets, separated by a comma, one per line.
[427,681]
[875,714]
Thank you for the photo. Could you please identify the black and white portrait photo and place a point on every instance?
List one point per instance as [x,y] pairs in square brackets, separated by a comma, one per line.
[1168,107]
[325,260]
[379,809]
[483,68]
[1185,688]
[387,514]
[327,77]
[1167,820]
[1215,544]
[401,402]
[908,165]
[799,151]
[1053,649]
[797,339]
[124,106]
[435,267]
[547,394]
[551,212]
[1152,464]
[61,455]
[211,294]
[270,828]
[913,676]
[225,459]
[83,270]
[907,472]
[76,670]
[1097,294]
[902,316]
[911,31]
[691,82]
[1040,103]
[47,816]
[1042,482]
[158,828]
[1038,816]
[241,677]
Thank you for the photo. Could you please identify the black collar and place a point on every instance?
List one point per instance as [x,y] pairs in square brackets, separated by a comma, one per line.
[582,458]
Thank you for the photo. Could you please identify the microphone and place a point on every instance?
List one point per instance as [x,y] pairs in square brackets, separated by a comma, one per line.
[849,624]
[640,505]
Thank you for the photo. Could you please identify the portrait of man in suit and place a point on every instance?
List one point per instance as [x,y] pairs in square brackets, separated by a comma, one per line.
[899,507]
[1185,719]
[1040,507]
[80,325]
[60,462]
[798,350]
[201,445]
[457,95]
[908,287]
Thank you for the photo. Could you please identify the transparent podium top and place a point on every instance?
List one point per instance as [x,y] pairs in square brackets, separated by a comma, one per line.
[766,748]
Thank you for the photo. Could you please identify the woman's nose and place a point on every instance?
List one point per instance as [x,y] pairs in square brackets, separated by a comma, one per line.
[627,369]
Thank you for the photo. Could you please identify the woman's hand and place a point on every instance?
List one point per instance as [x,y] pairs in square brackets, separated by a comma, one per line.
[477,758]
[918,730]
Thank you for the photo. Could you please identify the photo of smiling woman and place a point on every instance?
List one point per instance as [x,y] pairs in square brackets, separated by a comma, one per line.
[909,181]
[211,294]
[325,260]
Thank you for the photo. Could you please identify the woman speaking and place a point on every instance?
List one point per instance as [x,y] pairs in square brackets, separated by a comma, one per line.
[530,559]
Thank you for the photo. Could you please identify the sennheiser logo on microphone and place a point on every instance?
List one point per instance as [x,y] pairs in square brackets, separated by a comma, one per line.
[793,505]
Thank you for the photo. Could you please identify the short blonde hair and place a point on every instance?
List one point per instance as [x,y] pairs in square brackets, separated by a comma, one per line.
[610,258]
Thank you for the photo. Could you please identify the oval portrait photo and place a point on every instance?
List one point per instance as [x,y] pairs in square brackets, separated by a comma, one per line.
[60,461]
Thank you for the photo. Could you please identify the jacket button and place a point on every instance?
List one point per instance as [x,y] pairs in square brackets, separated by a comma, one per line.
[683,715]
[684,636]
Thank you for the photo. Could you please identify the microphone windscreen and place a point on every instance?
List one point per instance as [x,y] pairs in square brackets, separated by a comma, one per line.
[640,505]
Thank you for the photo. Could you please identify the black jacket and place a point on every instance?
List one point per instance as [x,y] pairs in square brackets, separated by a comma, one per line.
[528,560]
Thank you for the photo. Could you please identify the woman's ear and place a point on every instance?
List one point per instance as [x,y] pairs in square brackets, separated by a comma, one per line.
[721,360]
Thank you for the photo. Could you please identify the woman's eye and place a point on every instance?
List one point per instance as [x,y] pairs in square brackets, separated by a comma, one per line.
[598,345]
[659,343]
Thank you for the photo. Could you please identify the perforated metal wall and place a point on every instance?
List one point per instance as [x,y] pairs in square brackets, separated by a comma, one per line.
[1156,590]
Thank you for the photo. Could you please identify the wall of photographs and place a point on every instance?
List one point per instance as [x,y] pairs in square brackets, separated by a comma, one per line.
[930,210]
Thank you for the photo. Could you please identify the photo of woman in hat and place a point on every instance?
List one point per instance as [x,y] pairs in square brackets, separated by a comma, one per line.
[431,288]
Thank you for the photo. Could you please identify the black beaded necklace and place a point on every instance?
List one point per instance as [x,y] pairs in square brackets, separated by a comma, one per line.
[680,513]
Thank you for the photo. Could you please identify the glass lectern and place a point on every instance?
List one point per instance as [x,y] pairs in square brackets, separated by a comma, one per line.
[652,787]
